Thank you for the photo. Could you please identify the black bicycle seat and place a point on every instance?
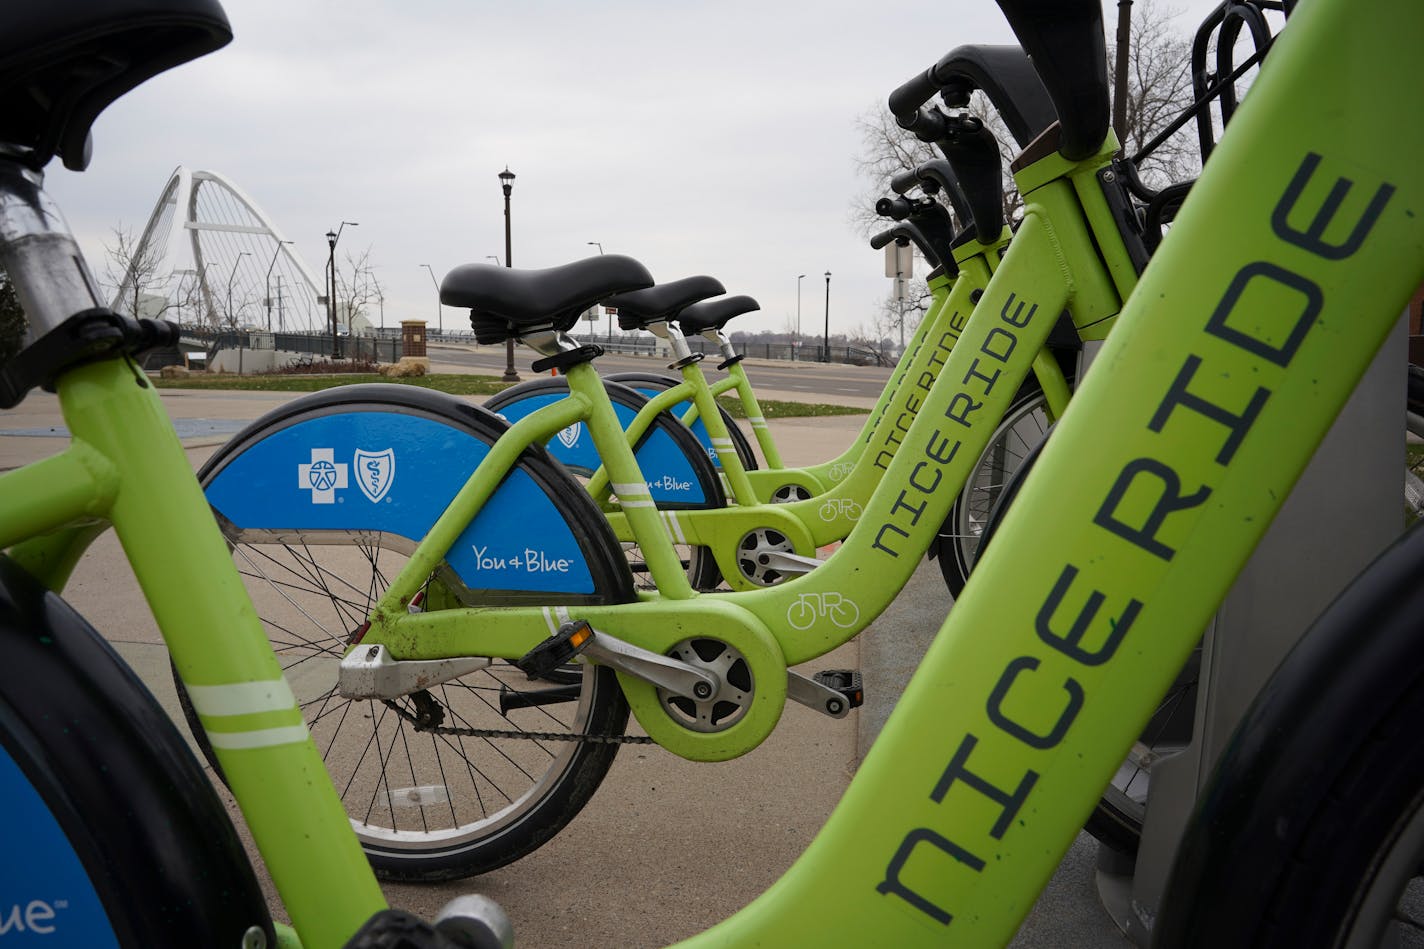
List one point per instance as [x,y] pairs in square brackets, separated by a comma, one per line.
[655,304]
[62,62]
[714,314]
[504,302]
[1064,38]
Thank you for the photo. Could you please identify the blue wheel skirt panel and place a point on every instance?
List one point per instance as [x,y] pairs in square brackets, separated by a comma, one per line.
[46,898]
[384,471]
[669,474]
[698,429]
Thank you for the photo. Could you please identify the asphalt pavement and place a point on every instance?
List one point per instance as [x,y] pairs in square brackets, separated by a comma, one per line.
[667,847]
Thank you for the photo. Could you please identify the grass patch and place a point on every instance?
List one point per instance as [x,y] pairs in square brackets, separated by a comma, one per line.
[770,408]
[454,384]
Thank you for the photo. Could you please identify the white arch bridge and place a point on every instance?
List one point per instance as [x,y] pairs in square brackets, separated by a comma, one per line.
[210,258]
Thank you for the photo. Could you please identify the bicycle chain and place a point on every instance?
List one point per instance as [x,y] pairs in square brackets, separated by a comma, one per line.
[439,729]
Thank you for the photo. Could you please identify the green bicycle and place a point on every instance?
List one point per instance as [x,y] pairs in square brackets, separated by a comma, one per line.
[412,608]
[1030,721]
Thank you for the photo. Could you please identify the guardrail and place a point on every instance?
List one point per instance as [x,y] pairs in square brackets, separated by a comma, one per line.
[375,348]
[649,345]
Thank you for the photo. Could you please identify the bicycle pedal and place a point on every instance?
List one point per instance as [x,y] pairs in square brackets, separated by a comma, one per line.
[557,650]
[844,681]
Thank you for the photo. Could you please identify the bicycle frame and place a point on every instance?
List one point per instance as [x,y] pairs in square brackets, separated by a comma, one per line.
[816,478]
[803,618]
[831,518]
[1224,373]
[126,469]
[831,515]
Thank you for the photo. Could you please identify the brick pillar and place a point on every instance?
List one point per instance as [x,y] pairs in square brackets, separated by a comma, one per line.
[413,338]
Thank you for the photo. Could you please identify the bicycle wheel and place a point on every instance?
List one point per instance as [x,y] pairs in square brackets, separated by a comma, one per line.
[1022,427]
[1117,818]
[426,805]
[650,384]
[680,474]
[1311,830]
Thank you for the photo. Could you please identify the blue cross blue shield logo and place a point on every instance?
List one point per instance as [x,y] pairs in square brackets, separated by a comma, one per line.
[323,477]
[375,471]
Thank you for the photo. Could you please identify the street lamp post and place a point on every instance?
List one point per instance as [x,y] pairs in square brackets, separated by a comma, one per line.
[232,323]
[275,254]
[506,182]
[796,339]
[331,238]
[439,310]
[605,312]
[827,338]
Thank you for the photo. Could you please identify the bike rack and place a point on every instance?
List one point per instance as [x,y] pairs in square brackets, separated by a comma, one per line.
[1313,549]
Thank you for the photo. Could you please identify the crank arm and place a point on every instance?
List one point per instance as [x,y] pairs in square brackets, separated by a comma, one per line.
[789,563]
[661,671]
[369,672]
[815,695]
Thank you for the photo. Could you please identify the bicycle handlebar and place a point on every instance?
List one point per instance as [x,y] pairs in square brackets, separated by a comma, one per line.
[1003,73]
[906,180]
[973,155]
[906,233]
[1065,40]
[906,101]
[932,177]
[895,234]
[897,208]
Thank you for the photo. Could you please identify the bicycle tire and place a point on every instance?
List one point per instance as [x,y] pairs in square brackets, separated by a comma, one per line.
[110,811]
[1023,426]
[666,431]
[649,382]
[1312,825]
[427,807]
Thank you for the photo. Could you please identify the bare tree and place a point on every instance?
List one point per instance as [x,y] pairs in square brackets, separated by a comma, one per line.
[357,288]
[888,151]
[134,273]
[1159,87]
[1159,82]
[894,321]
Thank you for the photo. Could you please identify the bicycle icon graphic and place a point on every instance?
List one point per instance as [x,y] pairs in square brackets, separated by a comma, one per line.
[839,470]
[810,607]
[834,508]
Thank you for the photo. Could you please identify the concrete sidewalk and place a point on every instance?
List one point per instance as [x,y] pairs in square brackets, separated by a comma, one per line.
[667,847]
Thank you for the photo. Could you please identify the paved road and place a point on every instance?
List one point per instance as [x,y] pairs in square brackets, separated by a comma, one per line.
[828,383]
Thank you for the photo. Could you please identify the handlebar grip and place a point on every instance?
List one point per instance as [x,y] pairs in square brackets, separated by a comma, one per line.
[926,124]
[939,172]
[974,154]
[897,208]
[904,181]
[879,241]
[937,235]
[908,231]
[907,99]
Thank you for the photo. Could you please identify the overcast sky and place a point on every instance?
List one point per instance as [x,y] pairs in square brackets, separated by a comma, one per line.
[710,138]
